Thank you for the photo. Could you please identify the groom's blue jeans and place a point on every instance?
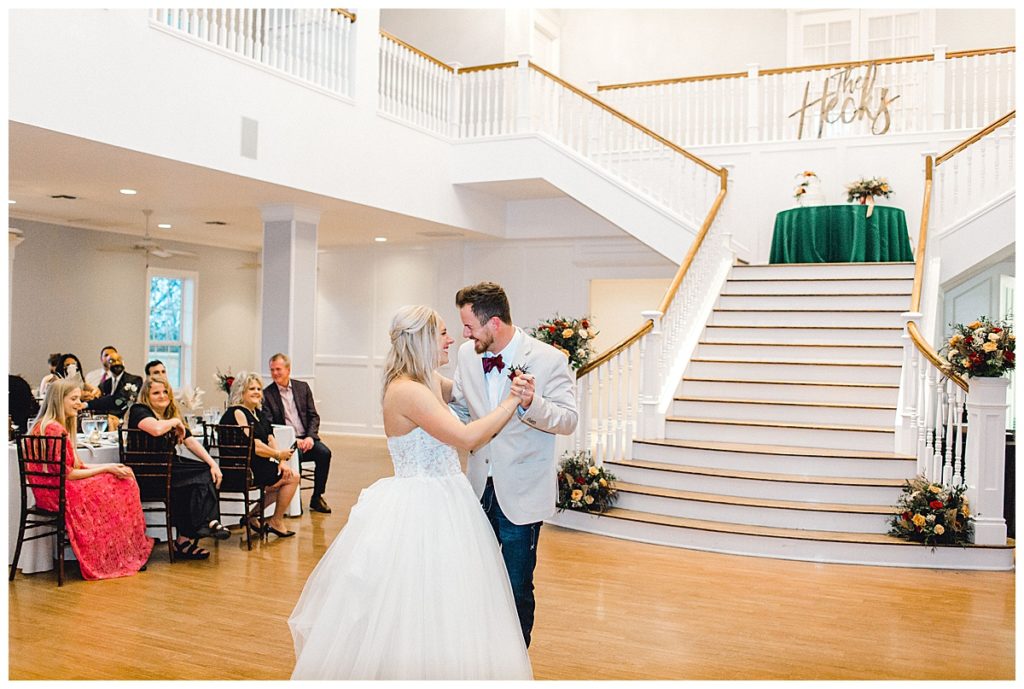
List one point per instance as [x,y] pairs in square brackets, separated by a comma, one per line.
[519,550]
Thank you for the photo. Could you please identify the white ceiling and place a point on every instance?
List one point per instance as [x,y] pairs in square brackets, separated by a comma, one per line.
[43,163]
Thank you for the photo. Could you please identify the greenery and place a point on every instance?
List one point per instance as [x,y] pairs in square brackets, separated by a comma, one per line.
[863,188]
[571,336]
[165,299]
[932,514]
[584,486]
[982,349]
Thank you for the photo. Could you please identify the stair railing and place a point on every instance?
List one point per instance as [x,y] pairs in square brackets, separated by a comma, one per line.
[312,45]
[414,86]
[935,410]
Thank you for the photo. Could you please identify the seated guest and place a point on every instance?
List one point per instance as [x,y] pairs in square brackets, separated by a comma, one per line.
[290,402]
[96,376]
[269,466]
[71,367]
[21,405]
[156,369]
[104,517]
[118,391]
[53,361]
[195,509]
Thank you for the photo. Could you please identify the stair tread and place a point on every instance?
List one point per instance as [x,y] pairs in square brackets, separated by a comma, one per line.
[817,294]
[777,532]
[833,310]
[782,424]
[793,382]
[806,327]
[844,508]
[844,345]
[909,278]
[799,362]
[786,403]
[761,448]
[851,264]
[757,475]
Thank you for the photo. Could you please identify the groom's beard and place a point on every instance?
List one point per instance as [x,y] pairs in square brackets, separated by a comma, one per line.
[480,347]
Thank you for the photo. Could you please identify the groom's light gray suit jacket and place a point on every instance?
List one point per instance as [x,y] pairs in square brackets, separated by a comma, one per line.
[522,455]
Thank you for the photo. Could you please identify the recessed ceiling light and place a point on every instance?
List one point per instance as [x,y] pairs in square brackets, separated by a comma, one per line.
[164,226]
[11,201]
[380,239]
[128,192]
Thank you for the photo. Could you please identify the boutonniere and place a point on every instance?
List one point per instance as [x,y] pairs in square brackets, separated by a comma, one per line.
[131,387]
[513,371]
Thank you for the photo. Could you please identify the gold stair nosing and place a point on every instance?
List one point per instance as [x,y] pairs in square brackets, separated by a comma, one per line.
[787,403]
[714,472]
[793,382]
[836,507]
[776,532]
[781,450]
[780,424]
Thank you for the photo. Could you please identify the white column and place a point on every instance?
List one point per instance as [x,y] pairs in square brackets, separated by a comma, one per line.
[288,286]
[937,90]
[652,422]
[985,457]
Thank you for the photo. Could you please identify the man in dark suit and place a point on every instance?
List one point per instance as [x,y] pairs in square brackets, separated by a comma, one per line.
[118,391]
[290,402]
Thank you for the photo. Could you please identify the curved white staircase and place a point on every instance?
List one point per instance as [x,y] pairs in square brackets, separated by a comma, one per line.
[779,442]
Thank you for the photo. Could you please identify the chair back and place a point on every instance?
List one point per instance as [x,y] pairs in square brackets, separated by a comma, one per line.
[150,458]
[41,468]
[233,448]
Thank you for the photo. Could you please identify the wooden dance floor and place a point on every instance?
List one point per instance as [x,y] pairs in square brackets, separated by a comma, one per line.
[607,609]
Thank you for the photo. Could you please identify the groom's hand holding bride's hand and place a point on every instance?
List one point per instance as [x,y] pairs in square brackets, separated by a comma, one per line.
[524,386]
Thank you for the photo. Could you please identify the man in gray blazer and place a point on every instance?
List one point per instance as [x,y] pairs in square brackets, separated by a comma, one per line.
[514,475]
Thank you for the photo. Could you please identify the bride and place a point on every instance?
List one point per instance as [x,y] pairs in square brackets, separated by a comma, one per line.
[414,586]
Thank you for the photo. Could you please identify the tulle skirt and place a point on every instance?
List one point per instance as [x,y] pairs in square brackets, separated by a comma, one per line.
[414,587]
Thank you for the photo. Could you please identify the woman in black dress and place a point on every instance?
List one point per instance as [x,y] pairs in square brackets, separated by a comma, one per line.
[270,465]
[195,509]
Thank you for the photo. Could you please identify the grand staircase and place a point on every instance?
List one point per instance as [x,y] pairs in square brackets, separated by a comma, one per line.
[779,442]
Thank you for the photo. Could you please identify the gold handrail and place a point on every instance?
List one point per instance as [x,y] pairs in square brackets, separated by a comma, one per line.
[915,297]
[399,41]
[351,15]
[809,68]
[673,288]
[481,68]
[625,118]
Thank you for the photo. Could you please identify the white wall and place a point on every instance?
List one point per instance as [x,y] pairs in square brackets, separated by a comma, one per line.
[469,36]
[973,28]
[359,290]
[69,295]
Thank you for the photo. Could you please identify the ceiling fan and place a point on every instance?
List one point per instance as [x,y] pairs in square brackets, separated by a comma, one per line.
[150,246]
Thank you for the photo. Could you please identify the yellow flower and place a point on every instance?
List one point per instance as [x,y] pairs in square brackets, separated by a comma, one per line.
[975,324]
[939,529]
[993,337]
[990,347]
[593,471]
[935,489]
[603,483]
[965,511]
[567,333]
[955,340]
[918,520]
[589,500]
[576,495]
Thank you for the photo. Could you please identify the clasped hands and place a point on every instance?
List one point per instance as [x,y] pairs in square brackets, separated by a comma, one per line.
[524,386]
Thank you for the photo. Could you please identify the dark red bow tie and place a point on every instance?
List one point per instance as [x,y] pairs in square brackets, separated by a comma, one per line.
[492,362]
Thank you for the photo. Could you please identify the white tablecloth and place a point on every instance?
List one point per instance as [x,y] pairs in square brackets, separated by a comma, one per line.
[37,555]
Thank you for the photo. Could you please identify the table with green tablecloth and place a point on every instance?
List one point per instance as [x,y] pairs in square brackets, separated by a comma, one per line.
[840,234]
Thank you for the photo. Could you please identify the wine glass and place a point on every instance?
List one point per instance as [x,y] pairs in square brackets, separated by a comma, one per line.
[88,427]
[101,423]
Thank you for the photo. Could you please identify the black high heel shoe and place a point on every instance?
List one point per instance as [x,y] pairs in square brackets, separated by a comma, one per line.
[279,534]
[254,525]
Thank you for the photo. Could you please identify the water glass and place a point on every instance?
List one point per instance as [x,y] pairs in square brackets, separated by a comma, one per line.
[101,423]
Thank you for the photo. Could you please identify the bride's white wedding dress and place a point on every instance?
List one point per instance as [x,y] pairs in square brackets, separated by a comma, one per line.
[414,586]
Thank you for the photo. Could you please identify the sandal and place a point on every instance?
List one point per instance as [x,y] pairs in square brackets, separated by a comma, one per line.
[215,529]
[190,550]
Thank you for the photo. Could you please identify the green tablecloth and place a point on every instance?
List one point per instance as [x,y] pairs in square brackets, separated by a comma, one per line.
[840,234]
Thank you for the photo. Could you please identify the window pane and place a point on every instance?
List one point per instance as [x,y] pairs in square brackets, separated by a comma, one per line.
[171,356]
[878,49]
[165,308]
[839,53]
[814,56]
[839,32]
[880,27]
[906,24]
[814,34]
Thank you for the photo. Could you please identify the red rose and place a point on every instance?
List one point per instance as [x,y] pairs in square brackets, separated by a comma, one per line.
[997,330]
[580,480]
[906,515]
[935,504]
[1008,356]
[584,323]
[229,381]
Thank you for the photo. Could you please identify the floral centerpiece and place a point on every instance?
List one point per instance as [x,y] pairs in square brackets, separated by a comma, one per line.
[584,486]
[865,190]
[571,336]
[982,349]
[224,380]
[932,514]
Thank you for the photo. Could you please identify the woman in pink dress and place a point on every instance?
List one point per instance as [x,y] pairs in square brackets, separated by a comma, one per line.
[104,517]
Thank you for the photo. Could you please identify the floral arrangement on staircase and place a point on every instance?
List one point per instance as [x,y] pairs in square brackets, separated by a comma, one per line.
[571,336]
[932,514]
[982,349]
[584,486]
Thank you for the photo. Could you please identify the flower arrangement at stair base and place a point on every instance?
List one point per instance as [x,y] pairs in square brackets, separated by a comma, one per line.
[932,514]
[866,189]
[982,349]
[571,336]
[584,486]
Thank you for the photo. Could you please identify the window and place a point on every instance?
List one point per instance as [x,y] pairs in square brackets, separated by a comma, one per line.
[823,36]
[170,325]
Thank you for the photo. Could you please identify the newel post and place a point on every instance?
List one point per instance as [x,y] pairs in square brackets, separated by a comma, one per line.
[985,457]
[753,103]
[907,412]
[455,101]
[523,108]
[652,421]
[937,90]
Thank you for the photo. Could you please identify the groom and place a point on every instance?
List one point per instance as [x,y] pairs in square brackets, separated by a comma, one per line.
[514,474]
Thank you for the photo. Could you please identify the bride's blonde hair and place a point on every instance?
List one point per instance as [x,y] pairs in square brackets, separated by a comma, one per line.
[413,352]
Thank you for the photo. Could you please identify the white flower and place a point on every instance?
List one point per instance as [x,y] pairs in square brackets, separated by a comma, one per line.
[993,337]
[930,519]
[583,334]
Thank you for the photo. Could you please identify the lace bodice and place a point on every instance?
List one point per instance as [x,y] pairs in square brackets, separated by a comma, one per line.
[417,453]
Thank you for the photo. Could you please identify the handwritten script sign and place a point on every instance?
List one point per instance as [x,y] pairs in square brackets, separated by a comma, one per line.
[846,98]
